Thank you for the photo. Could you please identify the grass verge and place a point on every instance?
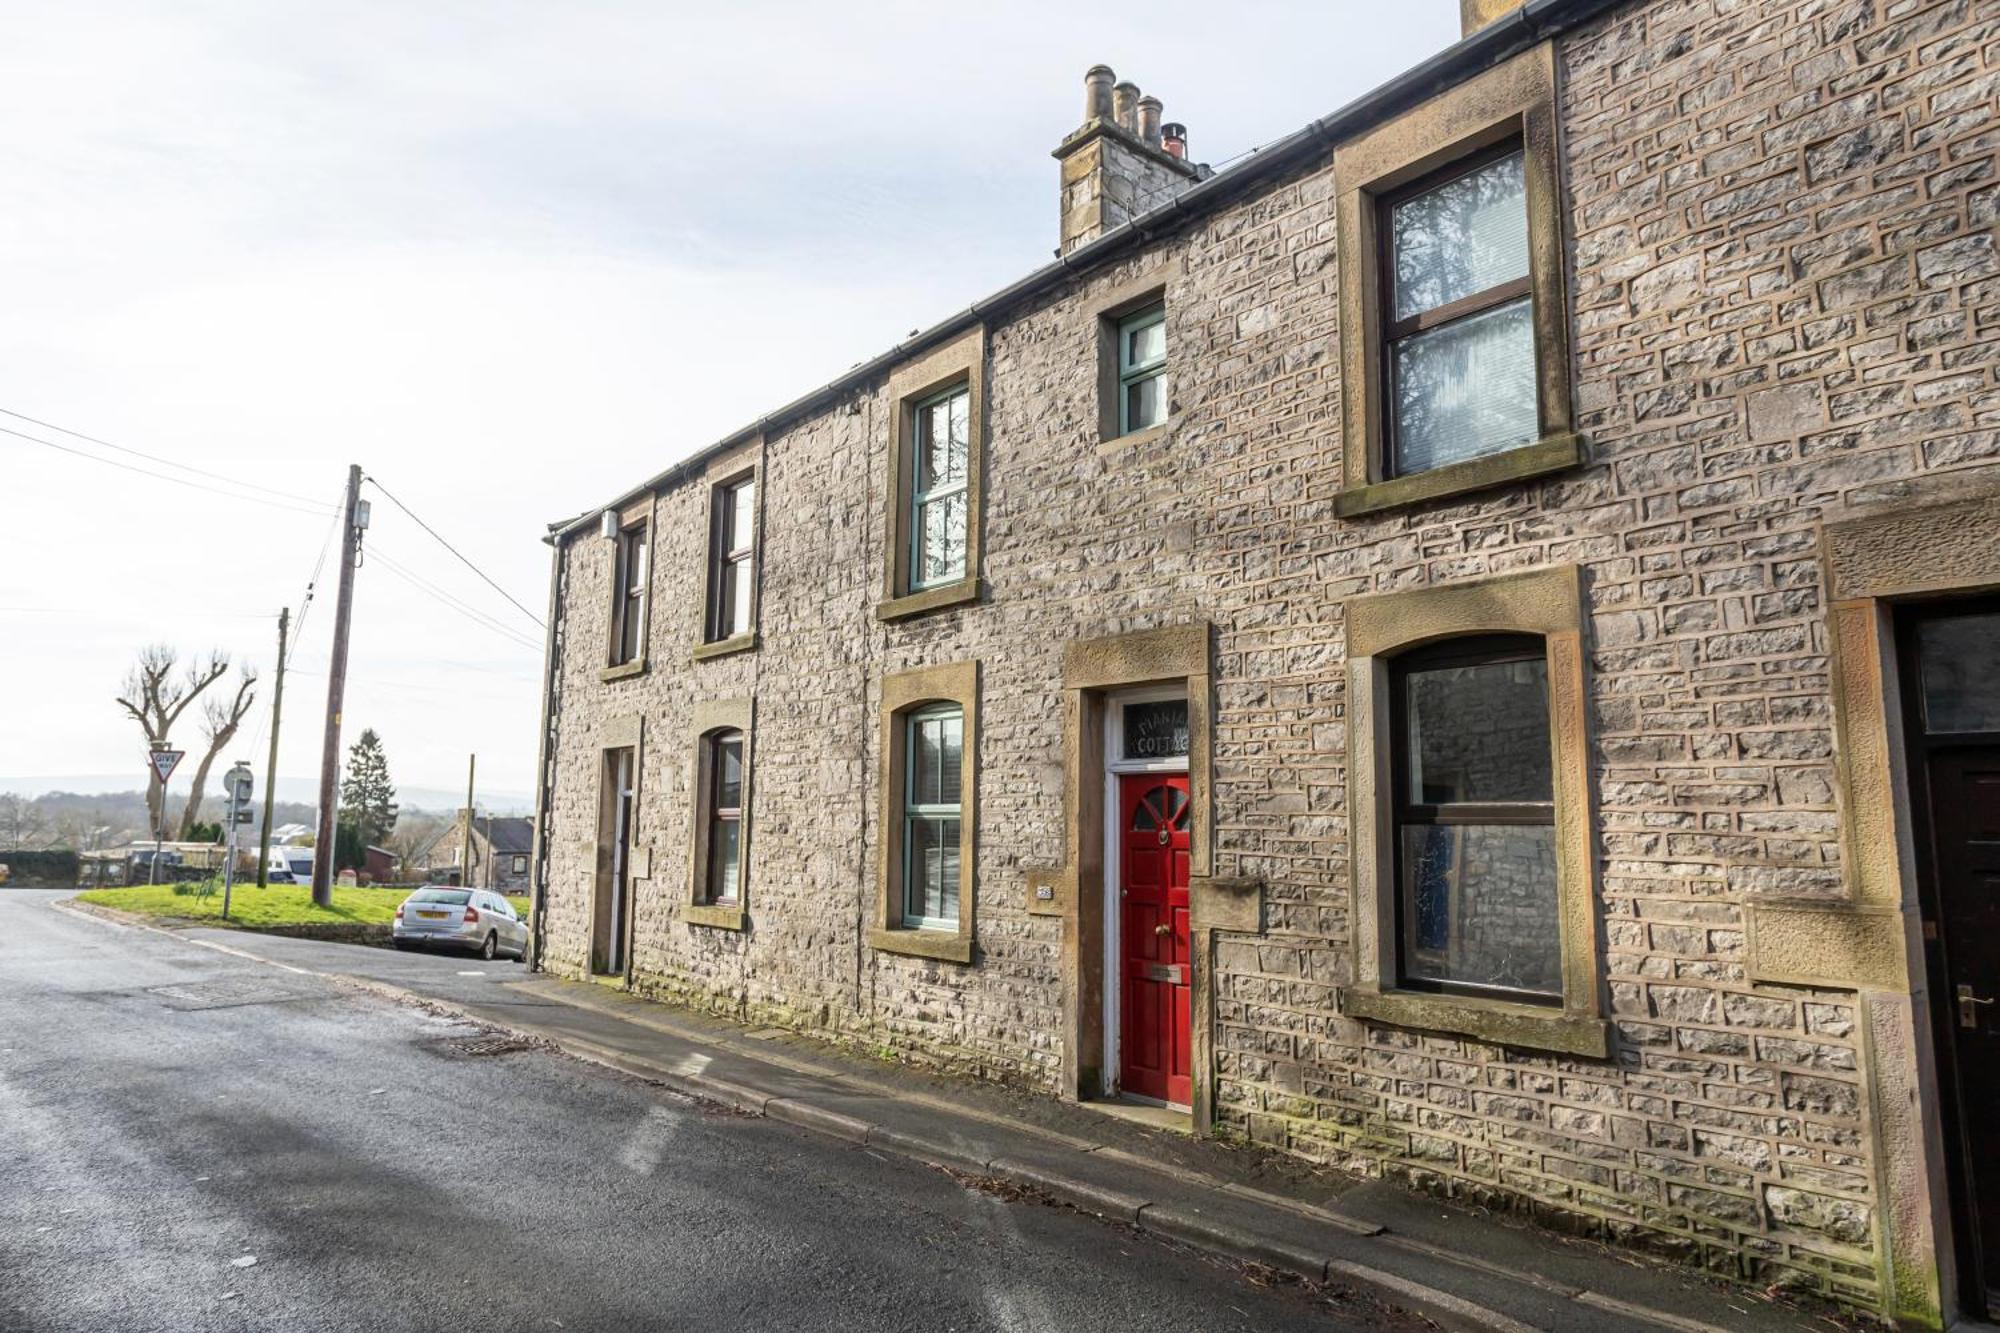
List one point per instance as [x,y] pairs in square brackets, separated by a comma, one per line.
[254,908]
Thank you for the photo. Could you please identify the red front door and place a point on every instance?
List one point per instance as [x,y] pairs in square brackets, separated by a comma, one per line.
[1153,937]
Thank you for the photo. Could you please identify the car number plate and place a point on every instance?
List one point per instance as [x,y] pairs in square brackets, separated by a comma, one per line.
[432,916]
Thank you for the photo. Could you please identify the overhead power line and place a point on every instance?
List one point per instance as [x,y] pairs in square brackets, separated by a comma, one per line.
[298,627]
[162,476]
[154,458]
[439,595]
[312,582]
[377,483]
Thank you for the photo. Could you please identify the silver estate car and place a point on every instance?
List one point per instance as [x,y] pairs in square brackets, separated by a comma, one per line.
[461,919]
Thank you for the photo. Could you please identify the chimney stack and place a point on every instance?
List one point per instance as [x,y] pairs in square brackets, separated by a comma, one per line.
[1121,161]
[1476,14]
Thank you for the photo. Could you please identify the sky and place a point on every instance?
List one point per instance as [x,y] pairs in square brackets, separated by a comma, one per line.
[511,259]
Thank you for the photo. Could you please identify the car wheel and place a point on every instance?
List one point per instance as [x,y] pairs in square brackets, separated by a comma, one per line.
[491,949]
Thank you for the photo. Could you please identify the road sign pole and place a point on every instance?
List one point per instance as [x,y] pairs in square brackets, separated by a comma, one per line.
[271,768]
[229,861]
[239,783]
[162,762]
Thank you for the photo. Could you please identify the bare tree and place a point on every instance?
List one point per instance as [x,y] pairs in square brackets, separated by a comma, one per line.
[24,827]
[155,697]
[219,723]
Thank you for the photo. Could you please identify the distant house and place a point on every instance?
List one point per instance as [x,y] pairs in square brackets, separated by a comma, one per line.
[500,850]
[379,865]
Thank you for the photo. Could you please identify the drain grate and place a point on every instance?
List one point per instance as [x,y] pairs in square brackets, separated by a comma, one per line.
[223,993]
[491,1043]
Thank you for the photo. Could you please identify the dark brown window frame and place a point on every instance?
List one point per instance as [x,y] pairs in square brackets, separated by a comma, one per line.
[713,718]
[1514,102]
[1547,603]
[715,813]
[629,597]
[722,510]
[1395,330]
[1471,650]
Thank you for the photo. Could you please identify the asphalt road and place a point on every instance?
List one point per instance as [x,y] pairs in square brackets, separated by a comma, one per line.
[191,1141]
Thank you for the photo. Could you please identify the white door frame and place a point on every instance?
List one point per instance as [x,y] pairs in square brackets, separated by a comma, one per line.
[1117,766]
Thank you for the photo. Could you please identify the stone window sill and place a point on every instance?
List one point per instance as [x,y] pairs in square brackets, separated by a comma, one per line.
[719,916]
[623,671]
[944,946]
[1557,453]
[1134,439]
[729,647]
[1531,1026]
[930,599]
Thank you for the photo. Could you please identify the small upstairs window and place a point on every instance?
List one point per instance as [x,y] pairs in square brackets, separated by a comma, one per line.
[1460,333]
[941,439]
[1142,369]
[628,608]
[732,569]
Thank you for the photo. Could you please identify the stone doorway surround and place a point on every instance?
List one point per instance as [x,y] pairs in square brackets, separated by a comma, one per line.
[1074,891]
[1918,538]
[622,733]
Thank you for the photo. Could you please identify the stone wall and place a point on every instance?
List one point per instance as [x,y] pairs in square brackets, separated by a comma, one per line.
[1785,287]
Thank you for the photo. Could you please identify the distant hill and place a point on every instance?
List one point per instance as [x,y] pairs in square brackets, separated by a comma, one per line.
[85,820]
[439,799]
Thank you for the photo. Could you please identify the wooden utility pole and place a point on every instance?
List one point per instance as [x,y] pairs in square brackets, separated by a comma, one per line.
[271,768]
[471,767]
[336,693]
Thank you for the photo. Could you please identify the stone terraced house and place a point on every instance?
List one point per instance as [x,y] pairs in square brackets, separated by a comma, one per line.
[1462,648]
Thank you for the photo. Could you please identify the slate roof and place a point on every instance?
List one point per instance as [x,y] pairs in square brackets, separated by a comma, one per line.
[513,836]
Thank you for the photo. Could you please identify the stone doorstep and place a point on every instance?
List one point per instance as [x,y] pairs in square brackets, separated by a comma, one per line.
[1224,1219]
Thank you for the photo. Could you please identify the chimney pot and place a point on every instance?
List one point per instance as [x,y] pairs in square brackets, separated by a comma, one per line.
[1173,138]
[1097,93]
[1125,106]
[1149,119]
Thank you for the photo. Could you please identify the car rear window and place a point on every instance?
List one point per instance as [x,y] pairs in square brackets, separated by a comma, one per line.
[449,897]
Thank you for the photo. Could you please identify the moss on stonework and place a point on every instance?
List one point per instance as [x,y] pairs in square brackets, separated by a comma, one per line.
[824,1023]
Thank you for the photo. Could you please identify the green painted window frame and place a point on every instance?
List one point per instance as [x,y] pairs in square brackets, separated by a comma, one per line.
[921,497]
[1132,373]
[916,812]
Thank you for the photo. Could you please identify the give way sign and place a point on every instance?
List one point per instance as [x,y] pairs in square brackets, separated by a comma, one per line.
[163,762]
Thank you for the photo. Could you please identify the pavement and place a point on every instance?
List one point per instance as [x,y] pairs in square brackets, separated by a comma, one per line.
[1305,1248]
